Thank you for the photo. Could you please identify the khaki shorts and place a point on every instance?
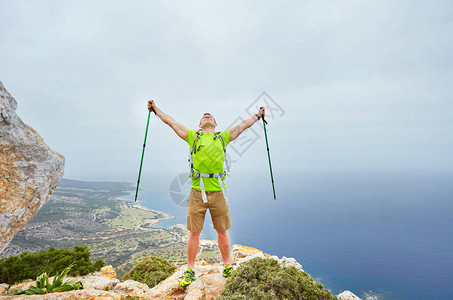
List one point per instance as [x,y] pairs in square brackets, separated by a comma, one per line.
[196,211]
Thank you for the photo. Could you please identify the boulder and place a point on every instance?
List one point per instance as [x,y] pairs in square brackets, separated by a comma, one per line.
[347,295]
[107,271]
[290,262]
[21,286]
[130,289]
[3,288]
[240,254]
[96,282]
[29,170]
[208,283]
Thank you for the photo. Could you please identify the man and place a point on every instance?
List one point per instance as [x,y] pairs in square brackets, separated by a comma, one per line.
[208,188]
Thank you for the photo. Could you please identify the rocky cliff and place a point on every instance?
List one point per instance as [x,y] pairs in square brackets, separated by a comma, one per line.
[29,170]
[209,282]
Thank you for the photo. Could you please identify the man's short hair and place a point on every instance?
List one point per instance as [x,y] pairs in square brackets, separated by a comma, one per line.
[211,116]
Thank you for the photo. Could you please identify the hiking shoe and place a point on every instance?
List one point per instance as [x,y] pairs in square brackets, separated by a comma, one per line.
[227,271]
[189,276]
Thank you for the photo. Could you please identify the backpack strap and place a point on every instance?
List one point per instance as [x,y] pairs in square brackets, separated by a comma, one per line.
[194,146]
[192,151]
[219,135]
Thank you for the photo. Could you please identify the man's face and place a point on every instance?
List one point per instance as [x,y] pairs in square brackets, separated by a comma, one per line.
[207,119]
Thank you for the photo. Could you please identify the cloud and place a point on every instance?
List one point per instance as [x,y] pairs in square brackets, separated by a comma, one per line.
[363,84]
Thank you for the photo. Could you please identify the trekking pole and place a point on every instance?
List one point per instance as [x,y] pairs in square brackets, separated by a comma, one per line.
[143,154]
[269,156]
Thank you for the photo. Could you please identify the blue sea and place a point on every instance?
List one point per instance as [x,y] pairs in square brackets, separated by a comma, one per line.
[380,234]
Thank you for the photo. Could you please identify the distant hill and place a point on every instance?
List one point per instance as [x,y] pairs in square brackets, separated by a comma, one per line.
[96,185]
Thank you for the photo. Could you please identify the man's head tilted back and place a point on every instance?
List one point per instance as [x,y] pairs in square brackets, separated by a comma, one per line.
[207,121]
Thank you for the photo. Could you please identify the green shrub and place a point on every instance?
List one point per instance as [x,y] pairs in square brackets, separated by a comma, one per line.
[30,265]
[43,286]
[265,279]
[150,271]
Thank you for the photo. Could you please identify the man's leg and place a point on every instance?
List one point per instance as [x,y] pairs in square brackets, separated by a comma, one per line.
[192,248]
[224,245]
[196,211]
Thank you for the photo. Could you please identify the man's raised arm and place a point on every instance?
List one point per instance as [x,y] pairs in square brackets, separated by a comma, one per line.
[180,129]
[238,129]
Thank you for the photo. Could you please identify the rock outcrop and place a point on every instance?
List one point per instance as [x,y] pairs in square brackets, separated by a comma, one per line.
[209,282]
[347,295]
[29,170]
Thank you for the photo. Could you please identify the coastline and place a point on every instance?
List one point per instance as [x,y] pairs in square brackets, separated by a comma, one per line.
[138,205]
[154,222]
[181,227]
[166,216]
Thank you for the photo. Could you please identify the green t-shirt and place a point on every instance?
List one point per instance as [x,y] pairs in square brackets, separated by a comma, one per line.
[209,159]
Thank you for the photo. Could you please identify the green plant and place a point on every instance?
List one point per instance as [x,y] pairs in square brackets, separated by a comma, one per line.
[43,286]
[30,265]
[151,270]
[137,275]
[265,279]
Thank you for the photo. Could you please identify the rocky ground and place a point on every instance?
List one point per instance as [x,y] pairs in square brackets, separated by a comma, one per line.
[208,284]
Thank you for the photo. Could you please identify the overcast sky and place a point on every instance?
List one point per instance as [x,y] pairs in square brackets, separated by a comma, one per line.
[352,85]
